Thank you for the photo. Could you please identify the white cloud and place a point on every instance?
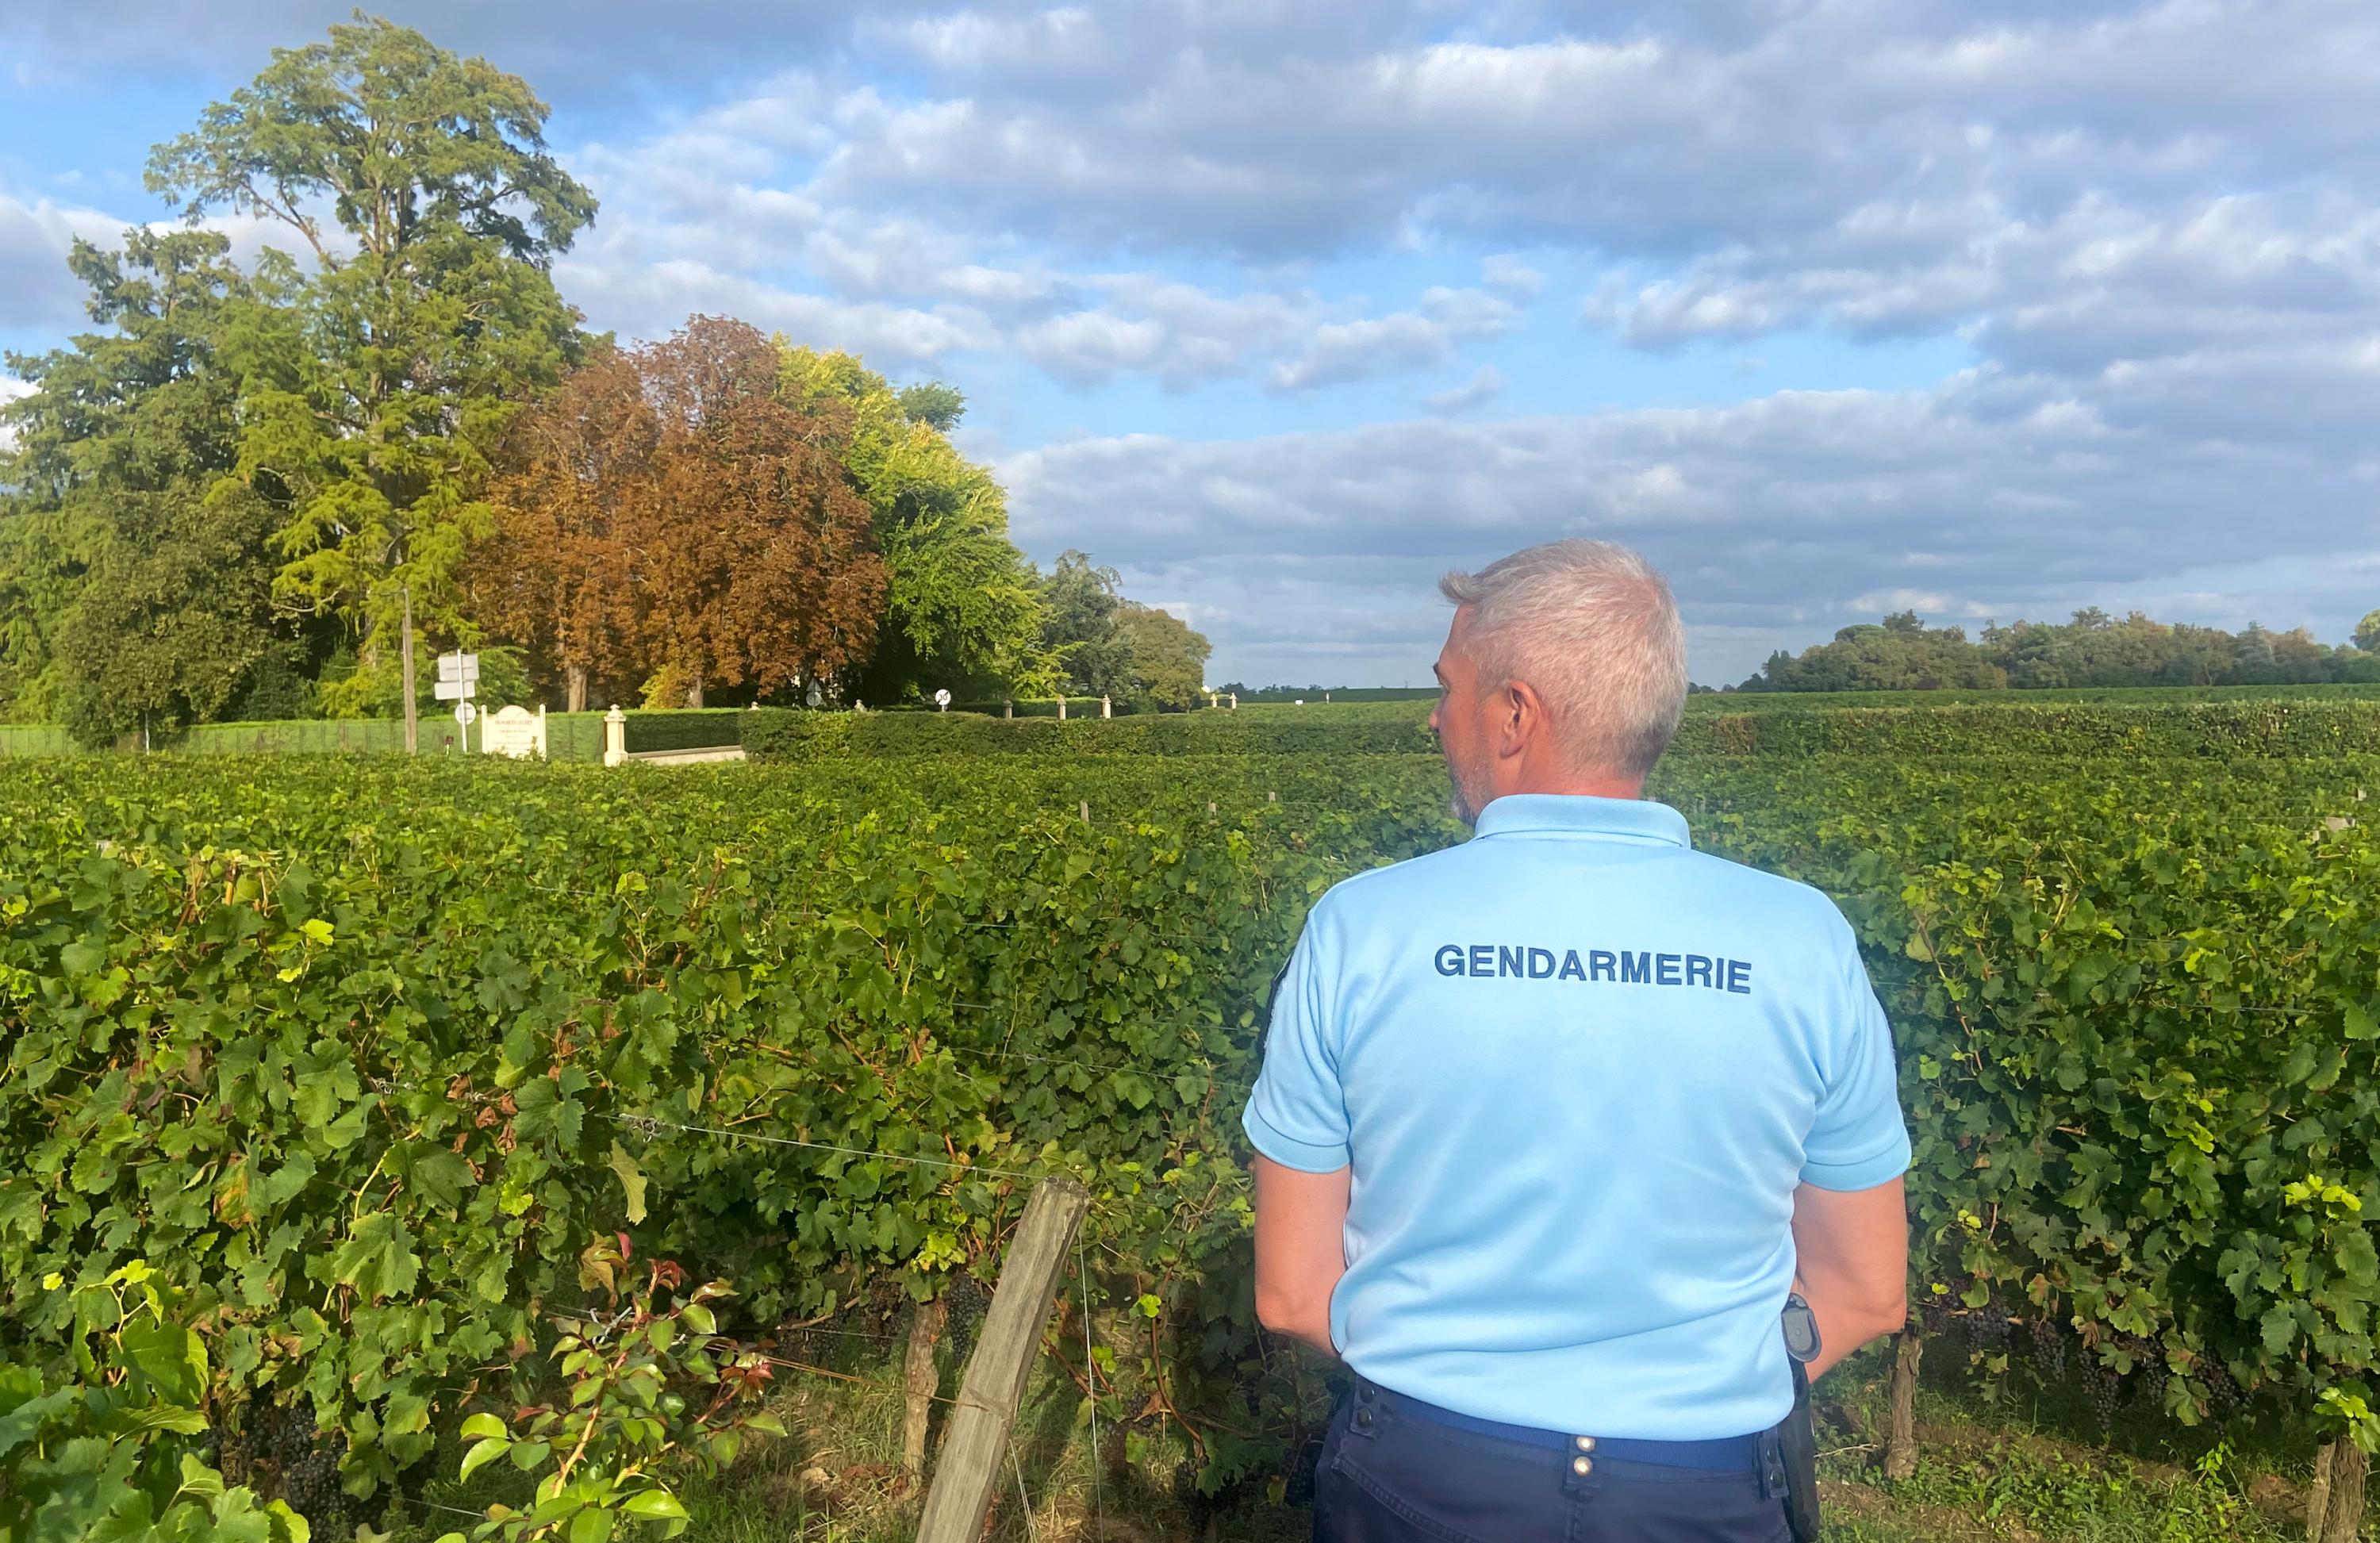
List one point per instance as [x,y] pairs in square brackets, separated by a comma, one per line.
[36,289]
[1336,352]
[1511,278]
[649,302]
[1482,389]
[11,389]
[1782,517]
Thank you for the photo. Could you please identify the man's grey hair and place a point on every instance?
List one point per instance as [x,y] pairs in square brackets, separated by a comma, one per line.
[1594,628]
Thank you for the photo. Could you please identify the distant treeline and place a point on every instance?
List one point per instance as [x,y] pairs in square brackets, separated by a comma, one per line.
[1902,653]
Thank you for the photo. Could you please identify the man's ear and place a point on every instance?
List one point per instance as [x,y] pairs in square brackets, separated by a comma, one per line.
[1524,716]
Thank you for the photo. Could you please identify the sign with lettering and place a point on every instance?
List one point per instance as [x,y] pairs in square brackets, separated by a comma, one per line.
[1620,967]
[514,731]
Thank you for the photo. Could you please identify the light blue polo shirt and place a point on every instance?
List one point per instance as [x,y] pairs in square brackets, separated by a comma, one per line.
[1579,1068]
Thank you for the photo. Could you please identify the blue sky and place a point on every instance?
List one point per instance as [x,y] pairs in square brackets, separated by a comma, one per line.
[1285,307]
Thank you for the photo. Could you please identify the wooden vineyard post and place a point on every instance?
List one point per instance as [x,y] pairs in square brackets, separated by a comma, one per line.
[918,1378]
[1901,1436]
[975,1439]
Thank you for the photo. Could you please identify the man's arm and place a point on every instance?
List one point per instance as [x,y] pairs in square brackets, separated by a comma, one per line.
[1301,1249]
[1853,1270]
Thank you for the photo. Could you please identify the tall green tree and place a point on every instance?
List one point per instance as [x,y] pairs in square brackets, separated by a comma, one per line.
[1167,661]
[376,377]
[175,616]
[1079,602]
[2367,633]
[148,602]
[960,608]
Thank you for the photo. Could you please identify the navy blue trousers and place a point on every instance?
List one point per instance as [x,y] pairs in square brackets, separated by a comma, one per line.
[1401,1479]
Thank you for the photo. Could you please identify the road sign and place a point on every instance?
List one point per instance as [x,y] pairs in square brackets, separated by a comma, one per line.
[465,712]
[942,699]
[454,690]
[453,667]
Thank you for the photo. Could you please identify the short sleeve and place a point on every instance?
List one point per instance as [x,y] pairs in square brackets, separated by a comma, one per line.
[1859,1139]
[1297,1115]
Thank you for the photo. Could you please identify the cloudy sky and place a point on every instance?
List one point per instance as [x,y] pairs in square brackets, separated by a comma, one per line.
[1284,306]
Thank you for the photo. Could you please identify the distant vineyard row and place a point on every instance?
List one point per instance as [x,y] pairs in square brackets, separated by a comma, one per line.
[2233,726]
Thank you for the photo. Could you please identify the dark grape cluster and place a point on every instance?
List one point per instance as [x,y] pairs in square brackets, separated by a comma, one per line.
[310,1485]
[308,1462]
[2102,1387]
[1298,1472]
[226,1451]
[886,1301]
[2148,1364]
[1989,1325]
[2049,1338]
[288,1431]
[1934,1314]
[964,1301]
[2223,1393]
[1185,1484]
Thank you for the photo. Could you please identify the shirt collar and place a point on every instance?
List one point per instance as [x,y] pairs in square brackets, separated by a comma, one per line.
[1578,814]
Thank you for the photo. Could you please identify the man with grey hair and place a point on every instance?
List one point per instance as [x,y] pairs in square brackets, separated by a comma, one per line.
[1563,1132]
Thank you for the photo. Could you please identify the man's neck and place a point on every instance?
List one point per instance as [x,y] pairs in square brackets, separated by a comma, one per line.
[1573,785]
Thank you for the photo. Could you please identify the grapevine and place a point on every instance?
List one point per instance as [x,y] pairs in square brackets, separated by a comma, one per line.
[338,1041]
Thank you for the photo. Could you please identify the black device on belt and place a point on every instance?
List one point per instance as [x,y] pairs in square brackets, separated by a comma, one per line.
[1798,1437]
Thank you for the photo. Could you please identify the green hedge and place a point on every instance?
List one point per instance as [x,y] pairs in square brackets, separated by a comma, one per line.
[2293,726]
[571,737]
[2154,696]
[2265,727]
[698,728]
[777,733]
[36,739]
[312,737]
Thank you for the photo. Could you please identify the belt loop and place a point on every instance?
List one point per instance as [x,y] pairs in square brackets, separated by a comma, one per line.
[1768,1452]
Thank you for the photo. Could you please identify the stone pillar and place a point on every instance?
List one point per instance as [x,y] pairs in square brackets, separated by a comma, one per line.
[1106,708]
[1062,710]
[1235,702]
[615,737]
[542,753]
[1008,708]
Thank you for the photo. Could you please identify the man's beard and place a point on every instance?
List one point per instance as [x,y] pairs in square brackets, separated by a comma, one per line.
[1469,794]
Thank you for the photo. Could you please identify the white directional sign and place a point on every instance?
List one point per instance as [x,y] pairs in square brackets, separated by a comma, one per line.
[458,667]
[452,690]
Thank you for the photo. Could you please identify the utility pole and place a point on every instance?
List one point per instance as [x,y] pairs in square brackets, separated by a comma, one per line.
[412,727]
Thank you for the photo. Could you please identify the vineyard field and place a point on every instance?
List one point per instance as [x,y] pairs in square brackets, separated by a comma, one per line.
[363,1057]
[2173,724]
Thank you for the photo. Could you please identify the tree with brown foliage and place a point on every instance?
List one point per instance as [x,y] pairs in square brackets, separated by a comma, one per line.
[556,578]
[667,511]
